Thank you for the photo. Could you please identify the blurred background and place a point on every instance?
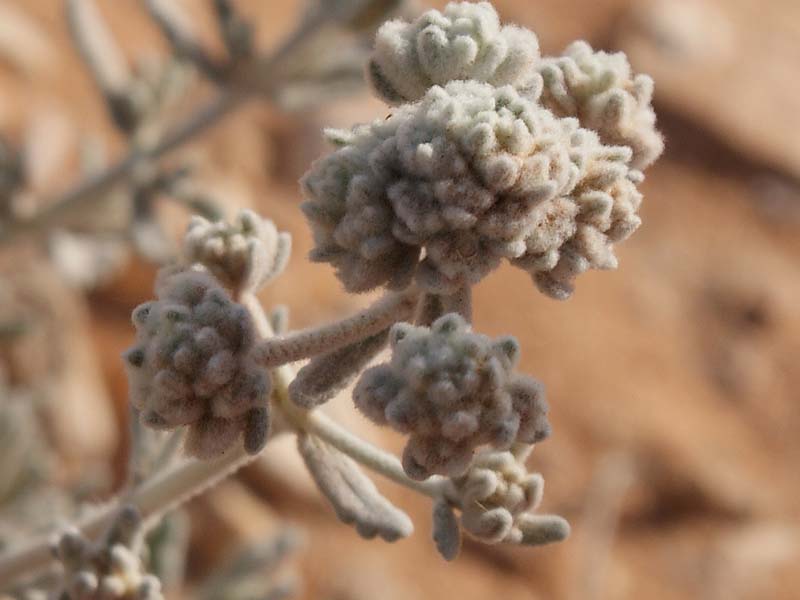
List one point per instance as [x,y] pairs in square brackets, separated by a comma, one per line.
[673,381]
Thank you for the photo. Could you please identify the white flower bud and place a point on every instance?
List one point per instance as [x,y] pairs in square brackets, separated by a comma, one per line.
[464,41]
[244,256]
[471,175]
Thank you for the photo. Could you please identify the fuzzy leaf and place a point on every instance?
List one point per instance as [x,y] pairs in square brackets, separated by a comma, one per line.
[328,374]
[446,531]
[352,494]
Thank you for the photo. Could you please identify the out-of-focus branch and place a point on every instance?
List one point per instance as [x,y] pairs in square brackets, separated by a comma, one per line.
[95,187]
[180,34]
[264,79]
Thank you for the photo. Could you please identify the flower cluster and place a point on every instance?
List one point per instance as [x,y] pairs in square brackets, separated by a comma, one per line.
[540,168]
[192,366]
[452,391]
[576,232]
[600,89]
[244,255]
[472,174]
[109,570]
[497,498]
[463,42]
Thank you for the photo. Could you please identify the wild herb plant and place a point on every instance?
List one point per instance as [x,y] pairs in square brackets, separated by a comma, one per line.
[491,152]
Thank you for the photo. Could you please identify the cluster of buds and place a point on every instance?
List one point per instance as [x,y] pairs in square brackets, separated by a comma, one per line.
[497,498]
[492,153]
[244,255]
[452,391]
[601,90]
[110,569]
[192,366]
[464,42]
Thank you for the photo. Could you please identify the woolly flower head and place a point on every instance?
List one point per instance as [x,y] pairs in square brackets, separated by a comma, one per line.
[577,232]
[463,42]
[110,569]
[471,174]
[192,365]
[452,391]
[244,255]
[498,496]
[600,89]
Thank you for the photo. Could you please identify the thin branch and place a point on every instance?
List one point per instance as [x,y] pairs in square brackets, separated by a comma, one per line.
[459,302]
[389,309]
[177,28]
[98,48]
[94,188]
[154,497]
[320,425]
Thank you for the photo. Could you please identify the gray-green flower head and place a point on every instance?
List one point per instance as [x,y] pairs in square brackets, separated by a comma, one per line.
[464,42]
[602,92]
[576,232]
[108,570]
[498,496]
[244,255]
[471,174]
[452,391]
[192,366]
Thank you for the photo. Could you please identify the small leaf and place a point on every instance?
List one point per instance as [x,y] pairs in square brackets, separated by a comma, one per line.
[352,494]
[446,531]
[328,374]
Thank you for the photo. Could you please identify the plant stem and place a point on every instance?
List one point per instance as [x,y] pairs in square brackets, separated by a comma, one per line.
[317,423]
[389,309]
[459,302]
[164,491]
[227,101]
[95,187]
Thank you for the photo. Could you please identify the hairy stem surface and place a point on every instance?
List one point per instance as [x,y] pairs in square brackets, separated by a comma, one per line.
[393,307]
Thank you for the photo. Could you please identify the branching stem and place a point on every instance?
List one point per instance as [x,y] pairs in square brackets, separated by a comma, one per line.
[319,424]
[309,342]
[85,193]
[173,486]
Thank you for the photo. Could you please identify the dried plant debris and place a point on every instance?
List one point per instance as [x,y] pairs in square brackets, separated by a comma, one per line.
[352,494]
[192,366]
